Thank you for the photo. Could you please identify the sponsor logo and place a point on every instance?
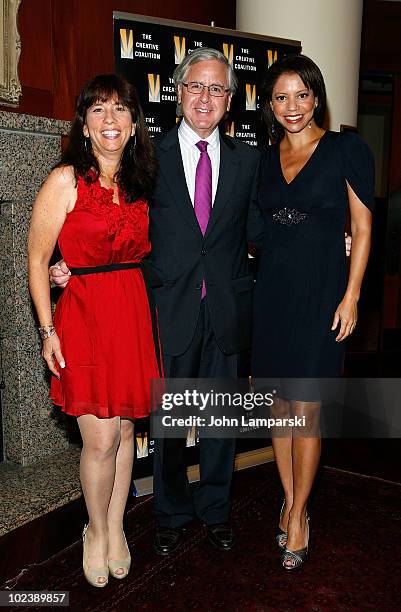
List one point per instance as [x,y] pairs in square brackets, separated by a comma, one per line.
[154,87]
[179,49]
[126,43]
[250,91]
[228,50]
[142,449]
[191,436]
[230,129]
[271,57]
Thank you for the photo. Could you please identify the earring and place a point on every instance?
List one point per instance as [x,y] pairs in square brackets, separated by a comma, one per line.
[132,145]
[310,124]
[275,127]
[88,144]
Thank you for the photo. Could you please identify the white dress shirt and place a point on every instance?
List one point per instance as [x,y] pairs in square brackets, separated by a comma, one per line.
[190,156]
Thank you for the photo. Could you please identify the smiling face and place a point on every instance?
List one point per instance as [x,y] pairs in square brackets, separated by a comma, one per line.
[203,112]
[292,103]
[109,125]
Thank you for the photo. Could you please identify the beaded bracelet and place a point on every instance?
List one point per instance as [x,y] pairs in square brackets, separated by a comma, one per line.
[46,331]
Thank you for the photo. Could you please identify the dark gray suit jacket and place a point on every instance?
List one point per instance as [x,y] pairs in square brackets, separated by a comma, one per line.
[182,257]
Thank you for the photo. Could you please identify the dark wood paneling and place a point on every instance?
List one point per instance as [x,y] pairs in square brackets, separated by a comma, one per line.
[34,101]
[35,28]
[66,52]
[395,154]
[223,12]
[392,281]
[381,36]
[395,180]
[381,52]
[64,43]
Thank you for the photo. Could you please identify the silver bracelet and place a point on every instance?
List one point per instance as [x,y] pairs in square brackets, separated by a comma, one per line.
[46,331]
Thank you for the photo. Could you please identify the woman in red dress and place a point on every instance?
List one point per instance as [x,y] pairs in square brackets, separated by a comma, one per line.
[100,348]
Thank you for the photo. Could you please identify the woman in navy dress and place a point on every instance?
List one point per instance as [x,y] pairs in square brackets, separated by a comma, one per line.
[305,299]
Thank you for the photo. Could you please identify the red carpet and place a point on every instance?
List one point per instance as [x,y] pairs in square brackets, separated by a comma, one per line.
[354,561]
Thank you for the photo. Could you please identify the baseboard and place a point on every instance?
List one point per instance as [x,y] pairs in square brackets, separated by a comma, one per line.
[144,486]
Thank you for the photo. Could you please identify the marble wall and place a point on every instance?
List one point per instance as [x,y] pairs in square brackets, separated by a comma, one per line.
[29,147]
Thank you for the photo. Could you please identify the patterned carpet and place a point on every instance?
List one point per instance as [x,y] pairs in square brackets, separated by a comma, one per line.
[354,561]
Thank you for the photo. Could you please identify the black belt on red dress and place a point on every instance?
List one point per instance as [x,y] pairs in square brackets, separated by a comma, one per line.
[150,279]
[106,268]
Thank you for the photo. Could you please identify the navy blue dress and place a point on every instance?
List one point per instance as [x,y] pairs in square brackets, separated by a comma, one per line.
[302,274]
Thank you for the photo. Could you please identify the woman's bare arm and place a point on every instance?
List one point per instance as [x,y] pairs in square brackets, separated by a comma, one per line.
[54,200]
[361,224]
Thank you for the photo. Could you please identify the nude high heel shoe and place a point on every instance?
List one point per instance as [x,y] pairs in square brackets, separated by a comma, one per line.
[92,575]
[124,564]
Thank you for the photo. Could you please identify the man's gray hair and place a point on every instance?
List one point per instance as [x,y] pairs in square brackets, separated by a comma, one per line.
[200,55]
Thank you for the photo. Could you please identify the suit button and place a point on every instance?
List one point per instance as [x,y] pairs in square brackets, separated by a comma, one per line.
[203,252]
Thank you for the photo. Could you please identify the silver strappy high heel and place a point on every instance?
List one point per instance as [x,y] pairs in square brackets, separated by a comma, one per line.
[281,537]
[298,557]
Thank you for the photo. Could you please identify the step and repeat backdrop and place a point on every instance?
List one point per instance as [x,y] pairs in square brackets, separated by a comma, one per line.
[146,52]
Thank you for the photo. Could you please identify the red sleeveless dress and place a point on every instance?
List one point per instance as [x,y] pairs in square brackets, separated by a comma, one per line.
[103,320]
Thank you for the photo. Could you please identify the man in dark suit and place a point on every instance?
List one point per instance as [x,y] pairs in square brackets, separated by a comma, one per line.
[205,301]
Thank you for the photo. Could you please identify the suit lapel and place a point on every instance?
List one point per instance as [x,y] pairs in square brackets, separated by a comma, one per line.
[172,168]
[229,165]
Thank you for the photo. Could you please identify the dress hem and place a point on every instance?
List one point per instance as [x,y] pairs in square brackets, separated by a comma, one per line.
[106,413]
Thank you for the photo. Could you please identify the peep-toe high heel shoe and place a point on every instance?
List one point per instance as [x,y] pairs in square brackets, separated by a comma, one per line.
[93,574]
[124,564]
[298,557]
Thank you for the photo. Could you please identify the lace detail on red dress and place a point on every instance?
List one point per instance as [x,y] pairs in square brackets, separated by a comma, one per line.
[125,221]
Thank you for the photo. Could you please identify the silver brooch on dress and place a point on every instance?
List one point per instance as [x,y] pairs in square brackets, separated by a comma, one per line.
[288,216]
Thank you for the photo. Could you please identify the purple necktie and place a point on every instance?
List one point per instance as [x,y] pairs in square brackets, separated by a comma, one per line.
[203,192]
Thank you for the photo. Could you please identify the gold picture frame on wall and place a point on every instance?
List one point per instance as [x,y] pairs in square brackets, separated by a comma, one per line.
[10,50]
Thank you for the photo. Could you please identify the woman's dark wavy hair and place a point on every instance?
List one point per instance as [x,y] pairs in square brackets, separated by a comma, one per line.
[136,175]
[309,74]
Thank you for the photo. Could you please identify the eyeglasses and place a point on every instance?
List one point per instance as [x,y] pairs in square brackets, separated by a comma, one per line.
[217,91]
